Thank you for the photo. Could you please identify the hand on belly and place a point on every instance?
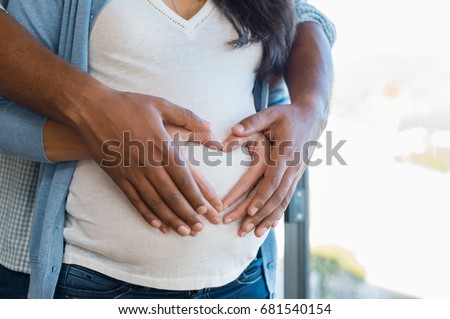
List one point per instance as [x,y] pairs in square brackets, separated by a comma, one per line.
[244,164]
[221,170]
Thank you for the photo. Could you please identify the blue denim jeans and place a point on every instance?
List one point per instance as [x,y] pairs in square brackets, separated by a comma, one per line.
[13,284]
[80,282]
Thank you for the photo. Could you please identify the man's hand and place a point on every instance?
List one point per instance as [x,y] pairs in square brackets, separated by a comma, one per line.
[38,79]
[62,143]
[163,194]
[309,77]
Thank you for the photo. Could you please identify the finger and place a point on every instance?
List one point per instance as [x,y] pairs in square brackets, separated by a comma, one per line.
[167,155]
[157,205]
[214,204]
[180,116]
[241,209]
[269,222]
[212,215]
[148,215]
[165,160]
[174,200]
[206,189]
[245,183]
[273,219]
[259,150]
[233,142]
[206,138]
[273,176]
[279,196]
[258,122]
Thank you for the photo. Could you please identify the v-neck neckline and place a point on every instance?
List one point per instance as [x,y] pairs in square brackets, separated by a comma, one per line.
[189,24]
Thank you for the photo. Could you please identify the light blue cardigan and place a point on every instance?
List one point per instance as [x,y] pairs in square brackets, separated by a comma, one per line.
[64,26]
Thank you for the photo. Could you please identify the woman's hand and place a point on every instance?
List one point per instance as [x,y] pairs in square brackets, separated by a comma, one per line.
[288,128]
[259,148]
[181,136]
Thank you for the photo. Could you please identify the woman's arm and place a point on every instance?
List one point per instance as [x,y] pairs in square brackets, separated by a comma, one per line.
[62,143]
[309,80]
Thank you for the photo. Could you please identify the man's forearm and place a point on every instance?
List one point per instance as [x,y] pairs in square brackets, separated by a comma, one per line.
[308,13]
[30,75]
[309,72]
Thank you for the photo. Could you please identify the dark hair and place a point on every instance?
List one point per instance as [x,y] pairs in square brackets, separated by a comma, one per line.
[271,22]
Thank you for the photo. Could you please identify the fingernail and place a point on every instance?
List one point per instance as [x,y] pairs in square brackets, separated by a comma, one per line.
[239,128]
[225,147]
[215,146]
[252,211]
[228,220]
[217,205]
[249,227]
[155,223]
[164,230]
[197,227]
[193,234]
[243,234]
[183,231]
[217,220]
[275,224]
[262,231]
[202,210]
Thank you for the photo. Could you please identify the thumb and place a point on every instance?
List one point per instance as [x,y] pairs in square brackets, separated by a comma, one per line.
[206,138]
[177,115]
[255,123]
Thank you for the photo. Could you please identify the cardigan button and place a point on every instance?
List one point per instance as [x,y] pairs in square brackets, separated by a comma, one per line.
[271,265]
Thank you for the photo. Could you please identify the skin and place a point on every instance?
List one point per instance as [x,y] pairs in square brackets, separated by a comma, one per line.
[62,143]
[82,105]
[186,9]
[302,122]
[309,76]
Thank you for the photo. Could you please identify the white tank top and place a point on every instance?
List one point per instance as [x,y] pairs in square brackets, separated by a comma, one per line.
[143,46]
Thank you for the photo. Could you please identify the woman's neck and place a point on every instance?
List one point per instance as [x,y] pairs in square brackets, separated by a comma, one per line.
[185,8]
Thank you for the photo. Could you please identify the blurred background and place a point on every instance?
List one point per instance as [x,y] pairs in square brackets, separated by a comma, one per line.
[379,226]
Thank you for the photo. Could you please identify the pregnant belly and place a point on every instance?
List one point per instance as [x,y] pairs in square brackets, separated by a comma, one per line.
[221,170]
[102,222]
